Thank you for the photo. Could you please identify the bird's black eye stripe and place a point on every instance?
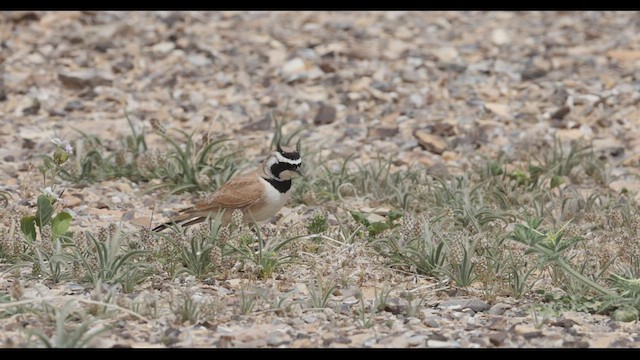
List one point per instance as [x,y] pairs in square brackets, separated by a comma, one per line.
[291,155]
[277,168]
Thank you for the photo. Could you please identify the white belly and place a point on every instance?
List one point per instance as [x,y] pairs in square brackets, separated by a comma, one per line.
[273,201]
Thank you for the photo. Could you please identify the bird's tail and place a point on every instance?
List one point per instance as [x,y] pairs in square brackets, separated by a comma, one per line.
[182,220]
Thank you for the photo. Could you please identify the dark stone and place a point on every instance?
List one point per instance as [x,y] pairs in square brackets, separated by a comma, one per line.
[531,335]
[497,338]
[352,119]
[438,337]
[382,131]
[74,105]
[432,321]
[410,76]
[188,107]
[342,340]
[326,115]
[499,309]
[561,113]
[103,46]
[173,18]
[345,309]
[575,344]
[83,79]
[531,73]
[128,216]
[3,92]
[19,16]
[559,96]
[122,66]
[457,67]
[564,323]
[623,343]
[352,132]
[54,112]
[32,109]
[441,129]
[28,144]
[102,205]
[396,306]
[327,66]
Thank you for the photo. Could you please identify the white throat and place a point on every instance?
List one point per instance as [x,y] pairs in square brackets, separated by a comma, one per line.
[273,201]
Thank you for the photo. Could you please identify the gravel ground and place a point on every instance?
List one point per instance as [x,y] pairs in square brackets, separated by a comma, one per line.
[441,89]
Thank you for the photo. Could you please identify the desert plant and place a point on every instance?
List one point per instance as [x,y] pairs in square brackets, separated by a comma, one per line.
[107,260]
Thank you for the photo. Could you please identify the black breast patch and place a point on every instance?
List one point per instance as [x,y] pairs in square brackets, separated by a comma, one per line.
[281,186]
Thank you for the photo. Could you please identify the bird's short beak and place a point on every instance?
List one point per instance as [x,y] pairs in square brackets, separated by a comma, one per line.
[299,171]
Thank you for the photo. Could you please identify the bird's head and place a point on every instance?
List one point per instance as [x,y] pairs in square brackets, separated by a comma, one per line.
[284,162]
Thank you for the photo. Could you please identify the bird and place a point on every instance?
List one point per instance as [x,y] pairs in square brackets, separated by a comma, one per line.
[259,194]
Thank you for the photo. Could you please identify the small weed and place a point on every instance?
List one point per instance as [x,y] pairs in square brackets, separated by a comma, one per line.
[194,254]
[318,224]
[107,259]
[278,303]
[461,266]
[540,315]
[381,296]
[320,293]
[247,300]
[80,336]
[187,308]
[414,246]
[414,304]
[267,258]
[365,321]
[549,246]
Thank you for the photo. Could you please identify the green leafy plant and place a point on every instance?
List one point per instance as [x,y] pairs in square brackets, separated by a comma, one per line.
[318,224]
[425,251]
[108,260]
[44,215]
[195,256]
[377,227]
[549,246]
[461,269]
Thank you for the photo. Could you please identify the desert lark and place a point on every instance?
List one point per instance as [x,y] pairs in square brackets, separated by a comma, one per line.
[259,194]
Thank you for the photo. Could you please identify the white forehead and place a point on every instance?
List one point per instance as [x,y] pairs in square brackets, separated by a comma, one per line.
[283,159]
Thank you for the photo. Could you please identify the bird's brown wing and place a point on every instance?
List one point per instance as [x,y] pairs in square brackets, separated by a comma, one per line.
[238,193]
